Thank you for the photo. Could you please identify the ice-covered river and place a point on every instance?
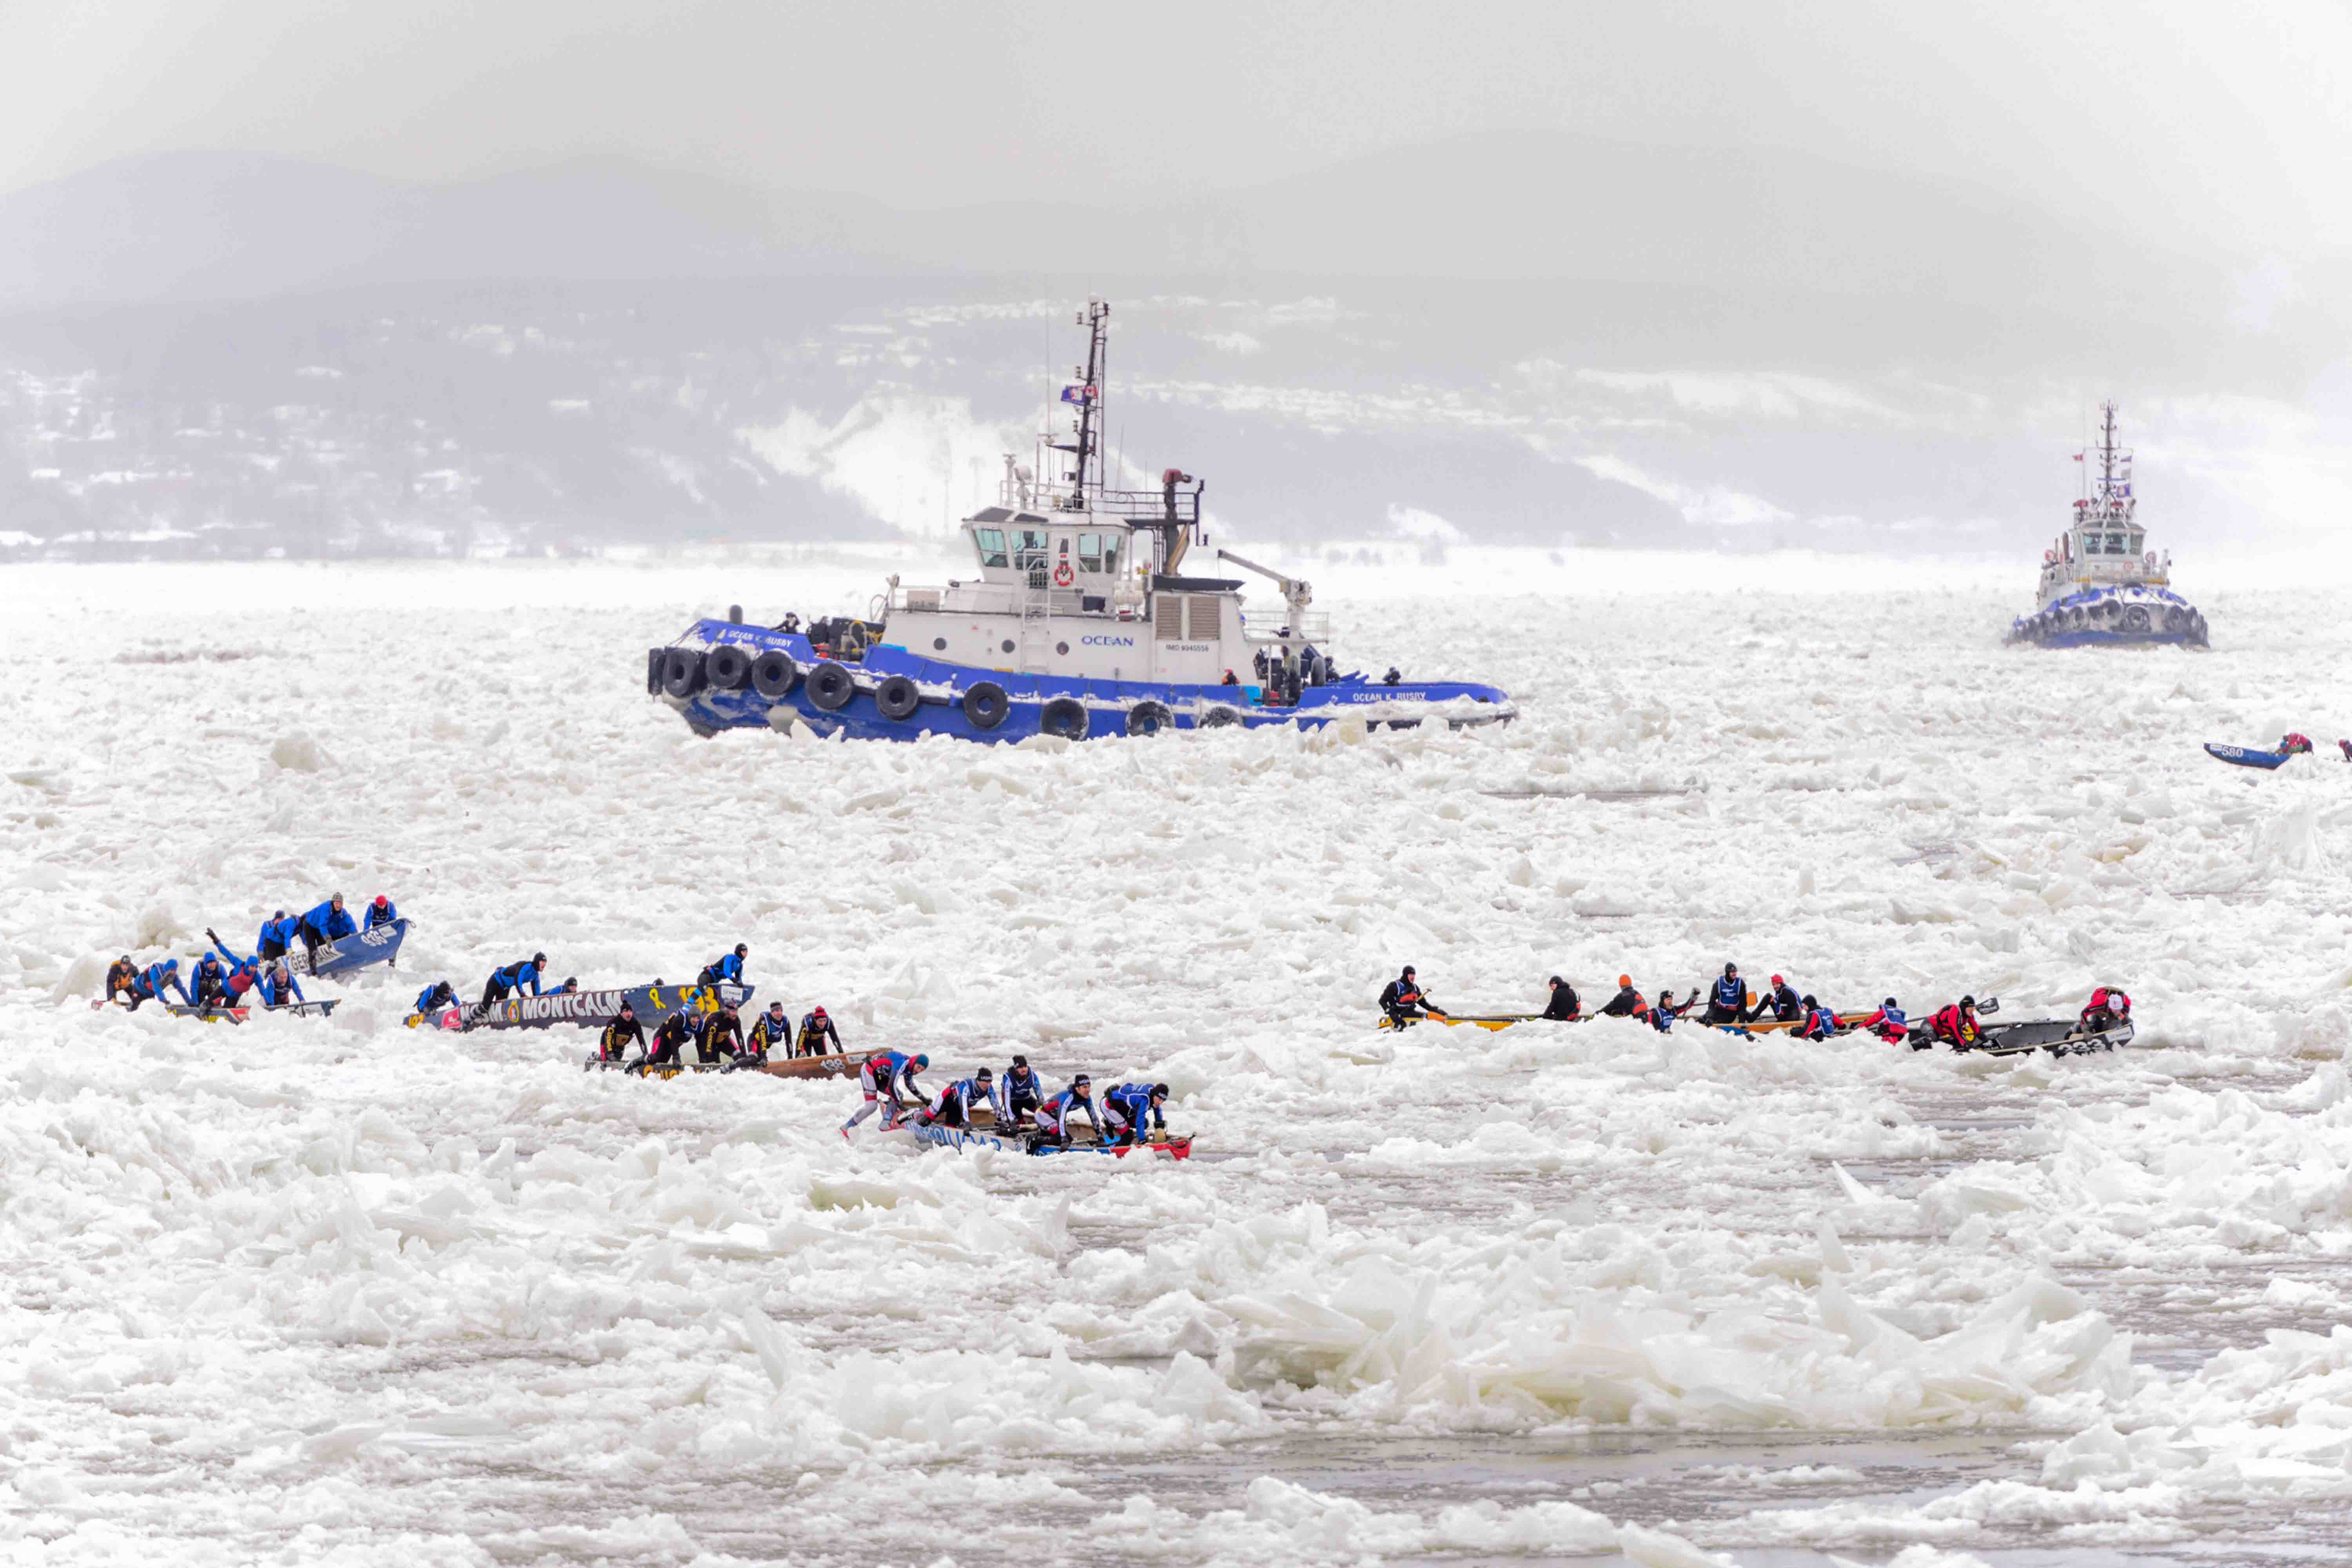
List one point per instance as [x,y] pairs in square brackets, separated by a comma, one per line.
[345,1292]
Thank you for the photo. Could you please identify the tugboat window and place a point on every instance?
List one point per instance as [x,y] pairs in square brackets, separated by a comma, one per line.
[1029,548]
[1007,645]
[991,545]
[939,645]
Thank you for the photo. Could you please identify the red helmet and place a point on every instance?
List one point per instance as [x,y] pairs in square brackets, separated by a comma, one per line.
[819,1013]
[380,901]
[1778,981]
[2099,997]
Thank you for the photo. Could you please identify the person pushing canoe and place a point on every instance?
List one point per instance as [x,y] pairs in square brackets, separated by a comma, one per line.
[1403,1002]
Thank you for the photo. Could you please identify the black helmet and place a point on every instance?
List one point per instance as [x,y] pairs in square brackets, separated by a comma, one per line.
[1730,969]
[1082,1081]
[1890,1002]
[982,1076]
[539,958]
[1969,1001]
[1408,969]
[1810,1003]
[1021,1061]
[627,1006]
[1158,1091]
[742,949]
[1557,982]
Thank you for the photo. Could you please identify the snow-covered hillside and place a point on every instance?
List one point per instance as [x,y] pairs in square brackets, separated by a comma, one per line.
[342,1291]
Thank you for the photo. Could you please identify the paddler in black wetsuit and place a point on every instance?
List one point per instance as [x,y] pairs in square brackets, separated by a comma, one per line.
[620,1033]
[668,1040]
[1627,1004]
[1563,1003]
[1403,1001]
[717,1029]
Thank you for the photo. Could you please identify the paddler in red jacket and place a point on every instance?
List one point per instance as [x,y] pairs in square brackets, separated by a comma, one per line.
[2109,1006]
[1956,1026]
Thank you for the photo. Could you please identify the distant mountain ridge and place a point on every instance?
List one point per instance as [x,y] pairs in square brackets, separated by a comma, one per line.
[203,225]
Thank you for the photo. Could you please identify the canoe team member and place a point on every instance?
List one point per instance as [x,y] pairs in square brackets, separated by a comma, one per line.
[381,913]
[815,1029]
[1128,1106]
[436,996]
[1726,1001]
[717,1028]
[513,978]
[1403,1001]
[772,1031]
[955,1102]
[1627,1004]
[209,980]
[328,922]
[123,976]
[1888,1023]
[669,1040]
[1782,1002]
[623,1031]
[1819,1022]
[1956,1026]
[888,1075]
[2109,1006]
[1021,1092]
[1054,1116]
[1662,1016]
[1563,1003]
[152,981]
[275,932]
[276,985]
[727,969]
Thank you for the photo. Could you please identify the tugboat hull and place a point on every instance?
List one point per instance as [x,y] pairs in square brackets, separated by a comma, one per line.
[893,695]
[2125,616]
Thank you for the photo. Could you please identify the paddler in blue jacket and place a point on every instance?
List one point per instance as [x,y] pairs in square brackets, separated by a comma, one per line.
[382,912]
[209,982]
[727,969]
[328,922]
[243,972]
[276,985]
[277,931]
[513,978]
[154,978]
[1126,1108]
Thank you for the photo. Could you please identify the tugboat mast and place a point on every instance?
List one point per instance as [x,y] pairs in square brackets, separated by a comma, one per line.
[1087,396]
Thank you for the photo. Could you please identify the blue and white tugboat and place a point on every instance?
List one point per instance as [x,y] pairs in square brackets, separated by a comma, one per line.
[1085,619]
[2099,584]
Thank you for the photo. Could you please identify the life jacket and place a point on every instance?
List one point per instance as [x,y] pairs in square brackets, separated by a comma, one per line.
[1730,993]
[1818,1024]
[1951,1024]
[1890,1024]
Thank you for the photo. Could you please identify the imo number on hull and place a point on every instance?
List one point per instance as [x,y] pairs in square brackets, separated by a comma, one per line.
[2097,585]
[1085,620]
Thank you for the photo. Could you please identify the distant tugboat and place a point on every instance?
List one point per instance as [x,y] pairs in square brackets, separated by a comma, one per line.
[2097,585]
[1083,621]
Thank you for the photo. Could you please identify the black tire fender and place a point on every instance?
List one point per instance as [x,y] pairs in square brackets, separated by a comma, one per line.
[1220,718]
[985,704]
[655,659]
[774,674]
[830,686]
[1067,716]
[727,667]
[898,697]
[681,672]
[1148,718]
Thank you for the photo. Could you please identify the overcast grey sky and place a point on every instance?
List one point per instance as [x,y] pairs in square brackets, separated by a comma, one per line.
[2236,118]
